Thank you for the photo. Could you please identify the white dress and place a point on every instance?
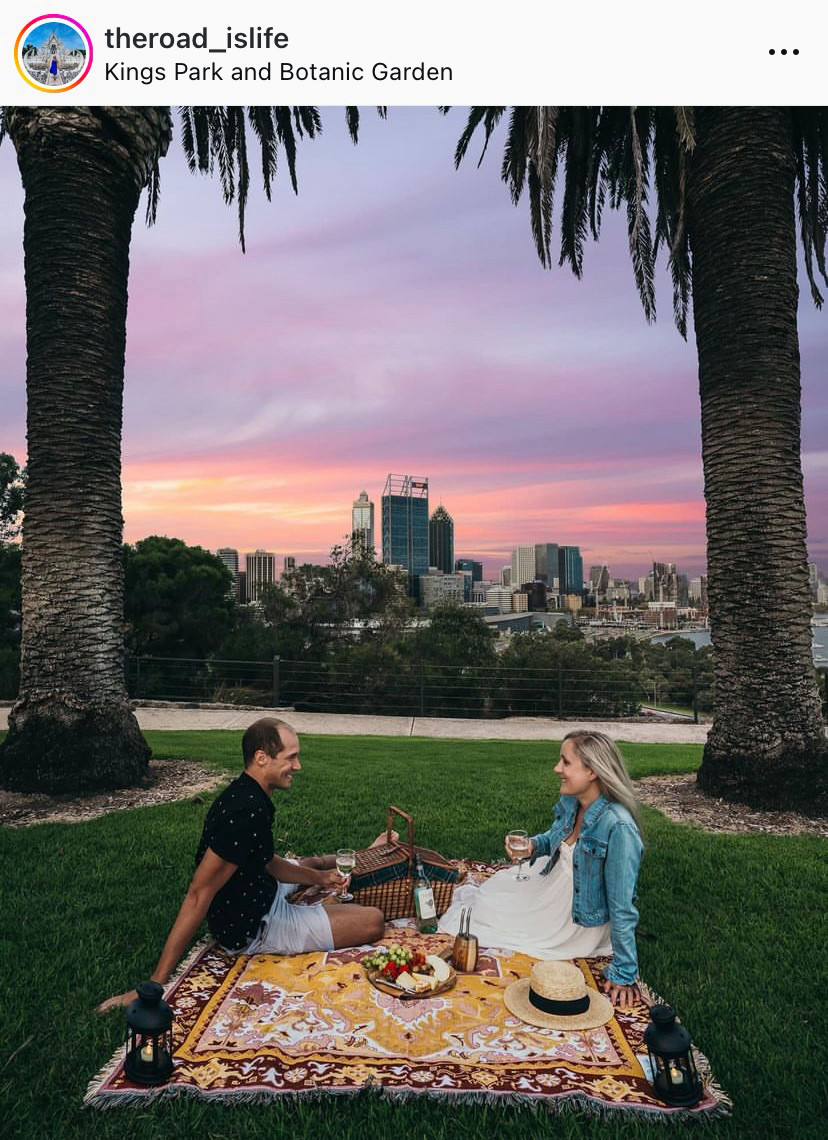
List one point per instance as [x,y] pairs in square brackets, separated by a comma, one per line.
[534,917]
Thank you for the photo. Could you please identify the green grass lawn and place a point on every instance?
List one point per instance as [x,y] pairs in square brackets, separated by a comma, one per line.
[734,936]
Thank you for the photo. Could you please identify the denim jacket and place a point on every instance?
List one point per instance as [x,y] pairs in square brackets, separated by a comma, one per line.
[605,865]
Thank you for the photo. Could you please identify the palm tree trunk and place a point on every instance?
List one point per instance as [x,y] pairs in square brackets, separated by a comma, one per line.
[767,743]
[72,727]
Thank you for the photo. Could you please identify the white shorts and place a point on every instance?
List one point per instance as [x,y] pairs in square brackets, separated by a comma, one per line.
[289,929]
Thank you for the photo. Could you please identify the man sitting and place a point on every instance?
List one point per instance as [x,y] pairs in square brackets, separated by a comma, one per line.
[241,887]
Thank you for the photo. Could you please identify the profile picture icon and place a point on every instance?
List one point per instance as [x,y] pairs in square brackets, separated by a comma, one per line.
[53,53]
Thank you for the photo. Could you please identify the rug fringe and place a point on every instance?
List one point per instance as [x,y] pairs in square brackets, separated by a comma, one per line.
[571,1102]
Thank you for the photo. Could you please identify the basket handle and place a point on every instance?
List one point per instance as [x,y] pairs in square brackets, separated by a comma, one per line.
[407,817]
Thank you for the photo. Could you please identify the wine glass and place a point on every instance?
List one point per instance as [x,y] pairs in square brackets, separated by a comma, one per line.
[519,847]
[345,863]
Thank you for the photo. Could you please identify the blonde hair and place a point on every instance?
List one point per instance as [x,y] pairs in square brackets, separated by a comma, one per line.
[601,755]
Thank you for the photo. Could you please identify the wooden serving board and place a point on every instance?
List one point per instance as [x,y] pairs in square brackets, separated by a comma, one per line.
[388,987]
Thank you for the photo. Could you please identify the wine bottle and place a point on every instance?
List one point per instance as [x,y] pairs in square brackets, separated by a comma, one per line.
[424,907]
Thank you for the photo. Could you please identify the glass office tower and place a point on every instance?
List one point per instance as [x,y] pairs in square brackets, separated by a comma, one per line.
[405,527]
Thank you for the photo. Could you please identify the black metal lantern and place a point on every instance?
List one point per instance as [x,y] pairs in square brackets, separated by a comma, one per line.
[149,1037]
[672,1068]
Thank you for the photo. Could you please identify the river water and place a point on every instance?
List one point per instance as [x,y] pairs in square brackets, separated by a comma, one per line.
[701,637]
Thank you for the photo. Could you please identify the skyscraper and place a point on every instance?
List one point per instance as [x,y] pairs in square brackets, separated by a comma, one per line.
[441,540]
[570,570]
[405,526]
[546,562]
[261,571]
[523,565]
[230,558]
[362,523]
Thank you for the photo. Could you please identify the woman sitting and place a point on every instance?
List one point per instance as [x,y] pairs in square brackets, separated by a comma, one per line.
[579,901]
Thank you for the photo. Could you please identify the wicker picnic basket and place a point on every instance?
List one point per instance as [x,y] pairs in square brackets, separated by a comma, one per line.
[384,875]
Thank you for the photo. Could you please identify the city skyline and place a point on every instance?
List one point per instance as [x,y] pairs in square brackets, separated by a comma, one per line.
[401,324]
[230,556]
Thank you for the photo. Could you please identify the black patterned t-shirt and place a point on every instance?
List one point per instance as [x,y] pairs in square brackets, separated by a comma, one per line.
[239,828]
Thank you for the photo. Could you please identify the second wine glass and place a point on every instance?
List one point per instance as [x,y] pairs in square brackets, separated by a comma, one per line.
[345,863]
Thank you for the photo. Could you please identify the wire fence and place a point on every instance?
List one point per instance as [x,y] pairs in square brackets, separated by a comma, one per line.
[611,689]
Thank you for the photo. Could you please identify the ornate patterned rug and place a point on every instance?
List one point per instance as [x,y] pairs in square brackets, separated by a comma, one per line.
[251,1028]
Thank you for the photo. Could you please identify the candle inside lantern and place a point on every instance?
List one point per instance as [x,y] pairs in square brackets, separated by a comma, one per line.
[148,1059]
[670,1052]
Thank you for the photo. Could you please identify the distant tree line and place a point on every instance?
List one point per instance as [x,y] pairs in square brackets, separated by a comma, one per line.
[348,639]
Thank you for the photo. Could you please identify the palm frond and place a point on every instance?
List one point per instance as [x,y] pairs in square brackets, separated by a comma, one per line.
[670,159]
[215,141]
[489,117]
[686,127]
[261,123]
[153,192]
[188,139]
[284,130]
[617,155]
[239,137]
[810,135]
[578,180]
[352,121]
[544,157]
[638,221]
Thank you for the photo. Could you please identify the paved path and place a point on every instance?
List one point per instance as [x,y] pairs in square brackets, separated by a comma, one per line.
[177,717]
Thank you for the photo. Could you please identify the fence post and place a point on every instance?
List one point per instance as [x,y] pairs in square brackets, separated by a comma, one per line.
[422,689]
[275,683]
[560,691]
[695,700]
[138,675]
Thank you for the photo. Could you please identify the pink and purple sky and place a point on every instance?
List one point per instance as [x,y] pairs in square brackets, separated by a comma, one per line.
[394,318]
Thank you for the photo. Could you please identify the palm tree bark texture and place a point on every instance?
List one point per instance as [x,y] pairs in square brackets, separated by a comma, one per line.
[767,742]
[83,169]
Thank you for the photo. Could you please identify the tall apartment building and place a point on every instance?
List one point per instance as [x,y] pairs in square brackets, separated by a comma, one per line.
[261,571]
[405,527]
[523,565]
[362,522]
[441,540]
[230,557]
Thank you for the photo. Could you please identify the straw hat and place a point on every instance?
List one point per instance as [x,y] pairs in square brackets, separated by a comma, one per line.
[556,996]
